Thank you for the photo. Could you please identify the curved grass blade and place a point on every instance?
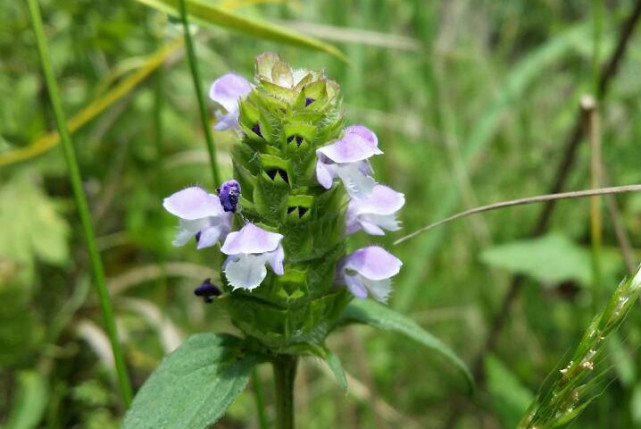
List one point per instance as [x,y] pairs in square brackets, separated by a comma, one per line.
[374,314]
[50,140]
[206,13]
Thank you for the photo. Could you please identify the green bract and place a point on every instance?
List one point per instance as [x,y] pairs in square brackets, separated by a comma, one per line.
[286,117]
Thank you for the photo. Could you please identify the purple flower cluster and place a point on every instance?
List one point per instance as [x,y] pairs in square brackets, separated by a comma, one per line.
[208,218]
[372,207]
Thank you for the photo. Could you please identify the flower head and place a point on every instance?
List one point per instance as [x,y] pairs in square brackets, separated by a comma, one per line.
[347,159]
[227,90]
[249,250]
[270,68]
[368,271]
[375,212]
[229,194]
[201,216]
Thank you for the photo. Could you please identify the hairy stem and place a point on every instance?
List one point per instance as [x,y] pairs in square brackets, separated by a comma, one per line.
[81,202]
[284,375]
[195,74]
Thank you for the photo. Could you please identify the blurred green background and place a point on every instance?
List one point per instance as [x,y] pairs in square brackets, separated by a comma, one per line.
[472,102]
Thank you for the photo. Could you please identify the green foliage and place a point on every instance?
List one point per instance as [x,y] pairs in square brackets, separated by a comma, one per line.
[194,385]
[477,113]
[38,231]
[550,259]
[509,397]
[29,402]
[335,365]
[377,315]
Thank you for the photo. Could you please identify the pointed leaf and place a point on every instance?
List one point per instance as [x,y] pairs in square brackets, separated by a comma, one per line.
[206,13]
[380,316]
[194,385]
[335,365]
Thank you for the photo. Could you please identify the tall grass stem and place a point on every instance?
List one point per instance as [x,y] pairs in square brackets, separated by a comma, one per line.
[81,201]
[195,74]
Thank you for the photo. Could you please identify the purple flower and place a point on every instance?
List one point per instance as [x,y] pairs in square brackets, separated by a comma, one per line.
[227,90]
[249,250]
[375,212]
[368,271]
[207,291]
[201,216]
[229,194]
[347,159]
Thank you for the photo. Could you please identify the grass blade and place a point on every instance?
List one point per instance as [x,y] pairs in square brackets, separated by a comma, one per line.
[206,13]
[195,75]
[81,201]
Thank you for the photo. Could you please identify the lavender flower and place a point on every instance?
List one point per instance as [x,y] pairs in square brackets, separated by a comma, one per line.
[368,271]
[227,90]
[201,215]
[347,159]
[229,194]
[375,212]
[249,250]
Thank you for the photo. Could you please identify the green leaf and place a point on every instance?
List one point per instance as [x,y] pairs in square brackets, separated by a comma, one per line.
[203,12]
[549,259]
[335,365]
[194,385]
[380,316]
[510,398]
[30,401]
[37,230]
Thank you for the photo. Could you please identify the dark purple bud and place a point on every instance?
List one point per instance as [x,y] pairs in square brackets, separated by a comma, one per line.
[308,101]
[256,129]
[207,291]
[197,237]
[229,194]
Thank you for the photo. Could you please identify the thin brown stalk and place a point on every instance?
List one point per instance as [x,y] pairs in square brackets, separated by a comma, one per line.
[524,201]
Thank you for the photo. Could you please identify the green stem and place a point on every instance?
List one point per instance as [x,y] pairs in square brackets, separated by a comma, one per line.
[259,396]
[195,74]
[81,202]
[284,375]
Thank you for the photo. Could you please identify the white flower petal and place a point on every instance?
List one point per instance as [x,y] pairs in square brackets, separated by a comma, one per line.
[356,286]
[380,289]
[357,184]
[187,229]
[245,271]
